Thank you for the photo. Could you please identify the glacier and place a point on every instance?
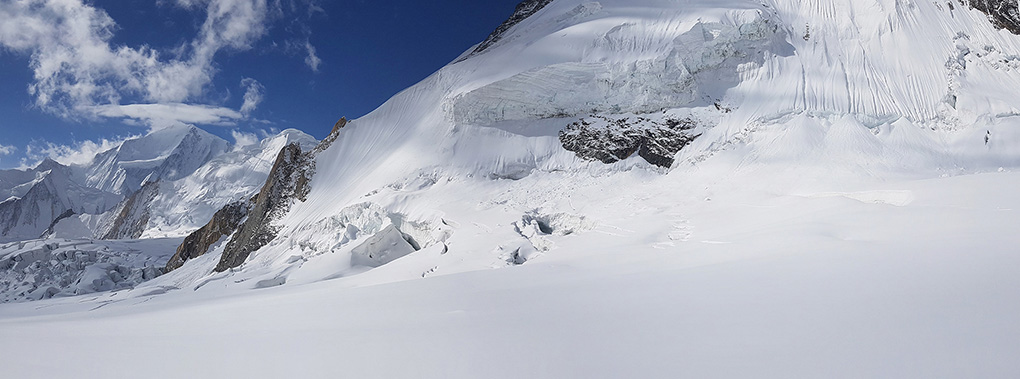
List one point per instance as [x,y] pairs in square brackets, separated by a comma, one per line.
[844,207]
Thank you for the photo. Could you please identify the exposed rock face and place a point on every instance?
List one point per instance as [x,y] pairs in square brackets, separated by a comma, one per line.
[610,140]
[524,10]
[49,231]
[287,181]
[328,141]
[132,214]
[223,224]
[1002,13]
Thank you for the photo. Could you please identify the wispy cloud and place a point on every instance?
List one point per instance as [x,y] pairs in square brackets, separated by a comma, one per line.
[78,152]
[171,112]
[5,151]
[78,73]
[312,60]
[242,139]
[252,95]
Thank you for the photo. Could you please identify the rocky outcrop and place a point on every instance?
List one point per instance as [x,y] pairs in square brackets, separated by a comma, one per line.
[1002,13]
[333,135]
[49,231]
[223,224]
[132,214]
[609,140]
[288,181]
[524,10]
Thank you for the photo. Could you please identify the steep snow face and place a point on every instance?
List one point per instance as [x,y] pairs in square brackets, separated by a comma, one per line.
[876,59]
[164,155]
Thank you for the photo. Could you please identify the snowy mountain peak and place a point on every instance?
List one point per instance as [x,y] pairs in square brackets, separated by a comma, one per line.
[167,154]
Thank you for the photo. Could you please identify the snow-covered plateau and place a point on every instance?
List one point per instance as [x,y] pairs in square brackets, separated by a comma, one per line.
[616,188]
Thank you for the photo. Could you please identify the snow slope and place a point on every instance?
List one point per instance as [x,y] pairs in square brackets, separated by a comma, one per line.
[762,281]
[845,211]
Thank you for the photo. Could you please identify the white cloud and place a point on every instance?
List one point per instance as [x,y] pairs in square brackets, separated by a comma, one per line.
[77,153]
[7,150]
[242,139]
[79,73]
[312,60]
[171,112]
[252,96]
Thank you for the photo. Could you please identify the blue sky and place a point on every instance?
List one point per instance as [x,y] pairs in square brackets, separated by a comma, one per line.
[77,76]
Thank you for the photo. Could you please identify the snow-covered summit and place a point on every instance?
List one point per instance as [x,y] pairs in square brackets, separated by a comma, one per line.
[164,155]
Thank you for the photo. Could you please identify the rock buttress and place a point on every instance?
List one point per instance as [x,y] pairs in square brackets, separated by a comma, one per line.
[224,222]
[288,181]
